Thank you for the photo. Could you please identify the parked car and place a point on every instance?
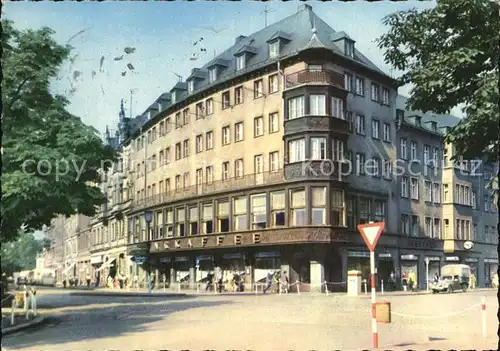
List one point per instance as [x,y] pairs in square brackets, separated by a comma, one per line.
[22,280]
[453,277]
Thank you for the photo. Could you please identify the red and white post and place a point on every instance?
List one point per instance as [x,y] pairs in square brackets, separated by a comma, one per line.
[374,301]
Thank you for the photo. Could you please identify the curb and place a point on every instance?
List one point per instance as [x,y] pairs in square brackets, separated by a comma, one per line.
[125,294]
[36,321]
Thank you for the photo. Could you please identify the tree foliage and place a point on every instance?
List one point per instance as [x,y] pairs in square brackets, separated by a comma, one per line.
[20,254]
[450,53]
[37,128]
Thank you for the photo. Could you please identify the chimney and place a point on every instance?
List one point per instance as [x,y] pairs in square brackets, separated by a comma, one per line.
[239,38]
[304,7]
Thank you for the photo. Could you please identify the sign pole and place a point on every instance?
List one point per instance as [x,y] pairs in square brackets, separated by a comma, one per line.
[374,301]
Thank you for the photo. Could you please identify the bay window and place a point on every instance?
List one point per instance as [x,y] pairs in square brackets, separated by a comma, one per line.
[207,224]
[337,107]
[193,220]
[318,148]
[296,150]
[180,218]
[317,105]
[240,218]
[318,208]
[277,208]
[298,208]
[296,107]
[258,211]
[223,216]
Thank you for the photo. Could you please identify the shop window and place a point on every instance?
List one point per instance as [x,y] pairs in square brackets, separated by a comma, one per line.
[258,211]
[364,210]
[180,217]
[278,208]
[318,210]
[208,215]
[298,207]
[240,214]
[338,209]
[193,220]
[223,216]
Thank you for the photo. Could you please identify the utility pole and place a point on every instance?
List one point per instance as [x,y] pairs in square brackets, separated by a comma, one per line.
[265,12]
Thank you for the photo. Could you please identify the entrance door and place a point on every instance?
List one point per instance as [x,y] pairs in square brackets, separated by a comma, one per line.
[384,270]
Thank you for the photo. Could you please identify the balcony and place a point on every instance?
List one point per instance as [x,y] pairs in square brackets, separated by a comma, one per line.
[324,76]
[248,181]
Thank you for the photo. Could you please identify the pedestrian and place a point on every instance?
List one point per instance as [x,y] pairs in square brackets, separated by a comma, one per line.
[285,283]
[436,278]
[210,278]
[277,278]
[494,281]
[219,281]
[152,280]
[88,280]
[269,281]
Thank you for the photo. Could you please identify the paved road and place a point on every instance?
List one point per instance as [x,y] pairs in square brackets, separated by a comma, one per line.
[270,322]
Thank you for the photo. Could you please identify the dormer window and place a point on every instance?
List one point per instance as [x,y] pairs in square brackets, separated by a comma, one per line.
[434,126]
[172,96]
[418,121]
[212,74]
[159,107]
[240,62]
[349,48]
[149,114]
[274,49]
[190,86]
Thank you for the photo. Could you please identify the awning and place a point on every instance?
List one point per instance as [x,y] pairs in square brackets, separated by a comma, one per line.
[66,270]
[106,264]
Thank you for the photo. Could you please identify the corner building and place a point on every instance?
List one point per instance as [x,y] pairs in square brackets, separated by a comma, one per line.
[258,162]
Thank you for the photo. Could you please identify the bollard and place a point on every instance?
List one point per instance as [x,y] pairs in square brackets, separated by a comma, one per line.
[12,313]
[326,289]
[364,284]
[382,286]
[26,307]
[198,288]
[483,315]
[256,289]
[179,286]
[298,287]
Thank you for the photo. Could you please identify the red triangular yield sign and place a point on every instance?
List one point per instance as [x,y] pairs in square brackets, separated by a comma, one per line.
[370,233]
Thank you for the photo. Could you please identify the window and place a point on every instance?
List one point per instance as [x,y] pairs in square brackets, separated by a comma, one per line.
[436,193]
[360,163]
[338,207]
[186,182]
[375,92]
[258,211]
[180,222]
[274,49]
[404,187]
[207,224]
[209,137]
[209,174]
[169,223]
[240,62]
[209,106]
[226,100]
[360,124]
[273,83]
[337,107]
[314,68]
[185,116]
[178,151]
[387,169]
[428,227]
[318,148]
[375,129]
[274,161]
[414,188]
[364,210]
[258,88]
[318,206]
[348,81]
[338,147]
[167,185]
[193,220]
[405,224]
[212,74]
[238,168]
[274,125]
[222,216]
[199,143]
[445,193]
[436,232]
[168,125]
[296,107]
[360,86]
[200,110]
[178,121]
[349,48]
[277,208]
[297,208]
[185,145]
[428,191]
[486,203]
[173,97]
[225,170]
[415,227]
[474,231]
[240,218]
[199,176]
[258,126]
[387,132]
[403,149]
[376,167]
[385,96]
[238,131]
[238,95]
[317,105]
[350,120]
[258,162]
[296,150]
[427,151]
[474,200]
[413,151]
[378,212]
[162,158]
[435,157]
[226,135]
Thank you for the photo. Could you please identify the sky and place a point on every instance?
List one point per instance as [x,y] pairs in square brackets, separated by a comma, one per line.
[163,35]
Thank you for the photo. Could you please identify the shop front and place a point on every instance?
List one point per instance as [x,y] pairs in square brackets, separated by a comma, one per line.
[181,268]
[452,260]
[473,263]
[409,271]
[164,266]
[204,266]
[360,261]
[490,268]
[266,262]
[96,262]
[385,267]
[433,267]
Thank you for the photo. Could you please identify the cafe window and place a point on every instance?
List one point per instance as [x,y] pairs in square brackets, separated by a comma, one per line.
[364,210]
[223,216]
[338,208]
[193,220]
[298,208]
[240,213]
[207,221]
[258,210]
[180,217]
[318,210]
[278,208]
[169,223]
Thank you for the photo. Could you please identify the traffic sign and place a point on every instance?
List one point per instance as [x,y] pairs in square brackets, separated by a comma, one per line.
[370,233]
[138,259]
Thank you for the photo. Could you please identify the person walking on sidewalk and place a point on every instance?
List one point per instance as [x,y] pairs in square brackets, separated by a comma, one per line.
[269,282]
[219,281]
[88,280]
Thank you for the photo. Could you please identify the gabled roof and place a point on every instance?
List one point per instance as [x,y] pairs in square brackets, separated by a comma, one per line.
[197,73]
[443,120]
[180,86]
[219,61]
[340,35]
[247,48]
[279,35]
[314,42]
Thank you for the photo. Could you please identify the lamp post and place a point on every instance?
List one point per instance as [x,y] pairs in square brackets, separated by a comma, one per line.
[148,216]
[427,273]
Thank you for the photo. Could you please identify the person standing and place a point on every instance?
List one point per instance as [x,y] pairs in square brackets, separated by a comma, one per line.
[219,281]
[88,280]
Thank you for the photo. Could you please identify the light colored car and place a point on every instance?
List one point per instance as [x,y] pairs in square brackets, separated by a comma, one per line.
[455,277]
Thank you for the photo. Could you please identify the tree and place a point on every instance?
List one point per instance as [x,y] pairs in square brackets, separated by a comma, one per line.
[21,254]
[41,135]
[450,54]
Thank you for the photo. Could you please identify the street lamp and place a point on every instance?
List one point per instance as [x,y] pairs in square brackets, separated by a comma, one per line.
[148,217]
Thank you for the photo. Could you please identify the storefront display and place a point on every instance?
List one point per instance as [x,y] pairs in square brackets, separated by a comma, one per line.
[266,262]
[490,268]
[384,269]
[433,268]
[204,265]
[360,261]
[473,263]
[181,267]
[409,271]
